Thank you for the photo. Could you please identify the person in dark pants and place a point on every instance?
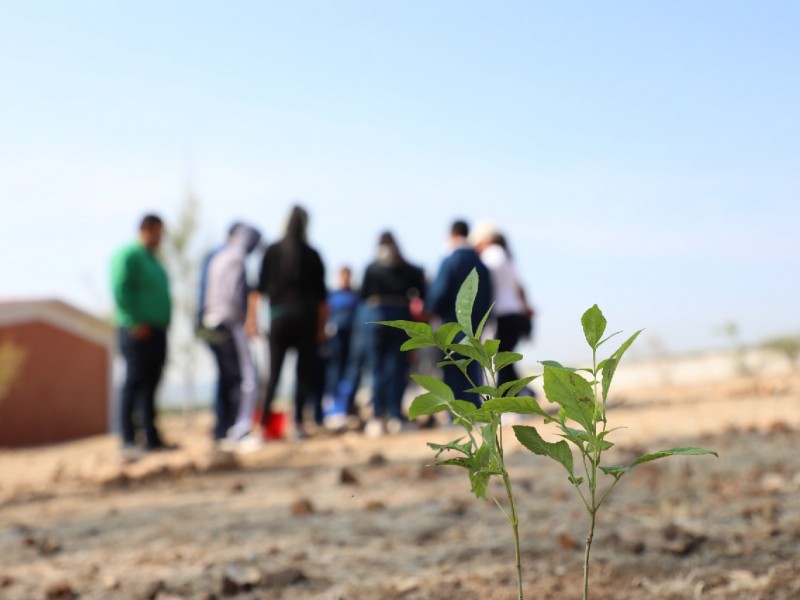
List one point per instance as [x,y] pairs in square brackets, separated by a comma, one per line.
[141,293]
[390,284]
[225,314]
[293,278]
[441,302]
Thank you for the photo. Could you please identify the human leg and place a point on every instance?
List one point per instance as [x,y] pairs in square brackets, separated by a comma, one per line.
[278,345]
[248,391]
[230,380]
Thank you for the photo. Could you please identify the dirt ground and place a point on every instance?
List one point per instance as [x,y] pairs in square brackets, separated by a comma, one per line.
[346,518]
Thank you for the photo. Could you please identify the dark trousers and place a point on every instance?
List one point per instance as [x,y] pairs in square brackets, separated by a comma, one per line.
[510,330]
[298,331]
[389,363]
[229,383]
[144,363]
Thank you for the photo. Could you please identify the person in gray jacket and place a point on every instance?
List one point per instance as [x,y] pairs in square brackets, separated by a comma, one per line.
[227,320]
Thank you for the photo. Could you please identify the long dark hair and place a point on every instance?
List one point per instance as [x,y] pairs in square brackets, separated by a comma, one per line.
[292,243]
[389,251]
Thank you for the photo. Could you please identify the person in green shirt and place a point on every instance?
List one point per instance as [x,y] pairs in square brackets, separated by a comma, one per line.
[143,310]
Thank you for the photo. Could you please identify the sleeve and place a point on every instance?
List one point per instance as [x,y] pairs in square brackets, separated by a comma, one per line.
[264,275]
[322,291]
[437,292]
[367,284]
[124,272]
[421,284]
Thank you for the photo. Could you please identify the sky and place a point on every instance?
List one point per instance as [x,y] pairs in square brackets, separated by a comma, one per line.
[639,155]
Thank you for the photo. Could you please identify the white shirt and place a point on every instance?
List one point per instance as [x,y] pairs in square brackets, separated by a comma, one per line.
[505,283]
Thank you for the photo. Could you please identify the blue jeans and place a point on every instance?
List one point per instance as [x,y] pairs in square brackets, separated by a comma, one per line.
[229,382]
[144,363]
[389,363]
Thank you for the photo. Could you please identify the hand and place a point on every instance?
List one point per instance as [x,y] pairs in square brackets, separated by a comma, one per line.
[141,331]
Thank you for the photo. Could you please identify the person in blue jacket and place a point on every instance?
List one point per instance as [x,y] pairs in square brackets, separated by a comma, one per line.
[441,302]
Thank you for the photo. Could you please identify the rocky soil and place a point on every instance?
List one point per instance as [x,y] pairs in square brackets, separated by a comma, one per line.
[346,518]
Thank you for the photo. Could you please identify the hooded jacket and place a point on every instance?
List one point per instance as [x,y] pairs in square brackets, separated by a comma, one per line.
[226,287]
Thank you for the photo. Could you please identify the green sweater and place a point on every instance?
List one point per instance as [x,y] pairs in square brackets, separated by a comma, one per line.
[141,288]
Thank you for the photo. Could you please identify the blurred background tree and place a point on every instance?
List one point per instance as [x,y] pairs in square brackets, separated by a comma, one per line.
[182,260]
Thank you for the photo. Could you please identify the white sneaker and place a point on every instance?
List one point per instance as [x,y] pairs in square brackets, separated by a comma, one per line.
[394,426]
[249,443]
[373,429]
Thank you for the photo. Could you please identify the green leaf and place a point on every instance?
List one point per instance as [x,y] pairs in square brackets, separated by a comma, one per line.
[503,359]
[436,386]
[465,300]
[594,324]
[459,461]
[455,446]
[514,387]
[485,390]
[615,472]
[426,404]
[470,352]
[446,333]
[457,364]
[522,405]
[412,328]
[491,347]
[559,451]
[608,337]
[689,451]
[611,363]
[482,324]
[557,365]
[573,393]
[462,409]
[416,342]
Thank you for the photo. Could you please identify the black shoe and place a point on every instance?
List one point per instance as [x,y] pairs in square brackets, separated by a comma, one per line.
[161,447]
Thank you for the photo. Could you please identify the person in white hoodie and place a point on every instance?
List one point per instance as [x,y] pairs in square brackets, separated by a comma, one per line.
[227,320]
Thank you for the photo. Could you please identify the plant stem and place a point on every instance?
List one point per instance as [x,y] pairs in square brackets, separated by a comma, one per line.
[586,556]
[515,528]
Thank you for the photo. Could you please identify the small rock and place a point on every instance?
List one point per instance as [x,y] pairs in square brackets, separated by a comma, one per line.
[168,596]
[109,476]
[773,482]
[284,578]
[60,590]
[427,472]
[779,427]
[6,581]
[48,546]
[568,542]
[457,508]
[376,460]
[680,541]
[111,582]
[375,506]
[238,578]
[347,477]
[302,507]
[216,461]
[154,589]
[236,487]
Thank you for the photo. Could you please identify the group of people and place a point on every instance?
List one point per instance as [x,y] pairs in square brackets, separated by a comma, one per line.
[334,334]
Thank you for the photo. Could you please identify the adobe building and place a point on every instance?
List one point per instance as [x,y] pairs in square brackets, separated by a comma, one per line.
[55,373]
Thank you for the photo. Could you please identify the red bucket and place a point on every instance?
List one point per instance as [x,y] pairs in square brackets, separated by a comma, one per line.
[275,427]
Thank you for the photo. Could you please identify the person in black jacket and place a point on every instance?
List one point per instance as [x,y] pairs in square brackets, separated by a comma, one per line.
[293,278]
[390,284]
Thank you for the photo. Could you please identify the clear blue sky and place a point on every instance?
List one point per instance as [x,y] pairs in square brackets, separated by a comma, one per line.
[641,155]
